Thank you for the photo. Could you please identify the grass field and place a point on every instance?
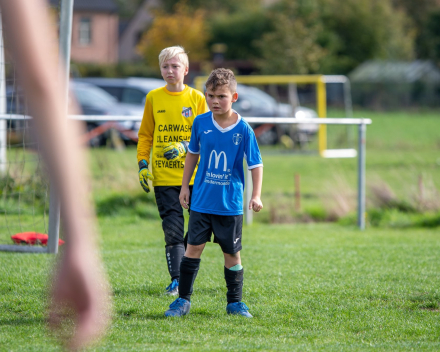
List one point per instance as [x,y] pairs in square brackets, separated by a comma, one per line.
[310,287]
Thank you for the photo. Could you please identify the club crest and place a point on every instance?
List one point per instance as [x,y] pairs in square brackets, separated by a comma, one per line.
[236,138]
[187,112]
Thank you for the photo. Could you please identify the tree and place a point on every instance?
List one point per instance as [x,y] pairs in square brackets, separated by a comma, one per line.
[328,36]
[240,32]
[367,29]
[183,27]
[433,36]
[423,16]
[292,47]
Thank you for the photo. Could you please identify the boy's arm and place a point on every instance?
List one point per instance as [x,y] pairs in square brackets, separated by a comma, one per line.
[190,165]
[145,142]
[146,132]
[257,181]
[79,287]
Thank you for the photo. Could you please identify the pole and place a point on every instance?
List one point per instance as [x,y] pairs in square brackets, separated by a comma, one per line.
[361,176]
[3,156]
[66,15]
[321,101]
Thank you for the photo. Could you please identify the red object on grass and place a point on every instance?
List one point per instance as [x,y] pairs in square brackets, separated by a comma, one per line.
[32,238]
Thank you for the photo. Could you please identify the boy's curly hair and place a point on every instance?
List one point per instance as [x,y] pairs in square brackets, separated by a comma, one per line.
[220,77]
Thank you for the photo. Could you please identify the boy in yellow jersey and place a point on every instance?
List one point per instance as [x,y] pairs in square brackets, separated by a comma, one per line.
[165,132]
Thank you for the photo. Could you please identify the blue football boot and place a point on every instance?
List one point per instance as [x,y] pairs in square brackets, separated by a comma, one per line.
[173,288]
[238,308]
[178,308]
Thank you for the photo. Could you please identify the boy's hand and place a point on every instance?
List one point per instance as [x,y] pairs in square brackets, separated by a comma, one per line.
[175,151]
[256,204]
[184,197]
[144,175]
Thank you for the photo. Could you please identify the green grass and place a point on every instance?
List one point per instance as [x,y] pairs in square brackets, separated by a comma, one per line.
[310,287]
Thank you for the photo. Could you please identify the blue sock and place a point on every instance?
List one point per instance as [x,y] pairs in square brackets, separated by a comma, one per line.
[237,267]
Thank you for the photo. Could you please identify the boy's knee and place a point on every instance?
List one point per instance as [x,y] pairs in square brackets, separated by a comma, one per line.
[232,259]
[194,251]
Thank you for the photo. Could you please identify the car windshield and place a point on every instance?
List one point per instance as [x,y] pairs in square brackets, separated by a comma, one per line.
[91,96]
[254,102]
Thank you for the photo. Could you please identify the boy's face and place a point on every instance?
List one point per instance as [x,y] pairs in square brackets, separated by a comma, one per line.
[220,100]
[173,71]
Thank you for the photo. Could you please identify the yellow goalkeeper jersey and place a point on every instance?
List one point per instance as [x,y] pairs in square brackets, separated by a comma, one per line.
[168,117]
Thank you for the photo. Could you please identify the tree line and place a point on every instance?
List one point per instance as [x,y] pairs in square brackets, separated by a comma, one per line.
[294,36]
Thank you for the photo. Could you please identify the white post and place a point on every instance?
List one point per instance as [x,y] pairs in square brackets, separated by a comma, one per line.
[65,41]
[361,176]
[3,136]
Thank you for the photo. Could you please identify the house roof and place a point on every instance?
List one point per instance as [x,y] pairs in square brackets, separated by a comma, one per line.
[395,71]
[90,5]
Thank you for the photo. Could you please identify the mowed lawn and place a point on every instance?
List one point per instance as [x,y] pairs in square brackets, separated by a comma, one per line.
[310,287]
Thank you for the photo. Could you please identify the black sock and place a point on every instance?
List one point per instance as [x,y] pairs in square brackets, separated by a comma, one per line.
[234,283]
[174,254]
[189,267]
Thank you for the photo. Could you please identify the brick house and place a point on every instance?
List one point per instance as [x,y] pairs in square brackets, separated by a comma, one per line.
[133,30]
[94,31]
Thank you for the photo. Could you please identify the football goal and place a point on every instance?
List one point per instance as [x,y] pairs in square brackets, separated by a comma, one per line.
[299,96]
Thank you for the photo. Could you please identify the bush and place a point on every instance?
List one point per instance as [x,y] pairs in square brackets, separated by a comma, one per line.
[24,193]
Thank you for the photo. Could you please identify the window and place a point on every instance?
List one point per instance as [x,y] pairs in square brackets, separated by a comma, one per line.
[133,96]
[114,91]
[85,31]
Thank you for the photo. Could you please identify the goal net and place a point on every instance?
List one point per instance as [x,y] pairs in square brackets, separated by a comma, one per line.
[24,185]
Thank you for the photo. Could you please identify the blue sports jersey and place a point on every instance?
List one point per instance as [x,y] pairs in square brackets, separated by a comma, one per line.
[219,183]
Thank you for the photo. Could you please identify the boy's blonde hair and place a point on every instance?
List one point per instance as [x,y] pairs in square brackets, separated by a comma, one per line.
[172,51]
[220,77]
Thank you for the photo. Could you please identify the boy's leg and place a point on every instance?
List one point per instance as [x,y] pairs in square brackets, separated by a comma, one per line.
[233,277]
[199,232]
[228,233]
[234,283]
[171,213]
[189,267]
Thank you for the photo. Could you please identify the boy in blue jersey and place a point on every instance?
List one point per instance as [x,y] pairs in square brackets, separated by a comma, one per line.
[222,139]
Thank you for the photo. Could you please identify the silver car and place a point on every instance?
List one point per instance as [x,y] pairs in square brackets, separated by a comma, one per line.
[253,102]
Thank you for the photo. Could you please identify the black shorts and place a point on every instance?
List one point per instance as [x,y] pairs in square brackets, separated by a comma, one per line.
[226,229]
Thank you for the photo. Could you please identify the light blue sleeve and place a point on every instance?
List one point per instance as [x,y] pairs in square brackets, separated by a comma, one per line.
[252,151]
[194,143]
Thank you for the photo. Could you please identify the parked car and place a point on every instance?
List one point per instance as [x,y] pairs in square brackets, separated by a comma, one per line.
[96,101]
[130,92]
[253,102]
[92,101]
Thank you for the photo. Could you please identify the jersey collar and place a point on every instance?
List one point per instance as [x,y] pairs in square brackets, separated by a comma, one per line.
[221,129]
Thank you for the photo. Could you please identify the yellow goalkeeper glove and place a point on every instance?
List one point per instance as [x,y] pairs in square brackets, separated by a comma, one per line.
[144,175]
[175,151]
